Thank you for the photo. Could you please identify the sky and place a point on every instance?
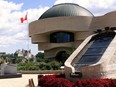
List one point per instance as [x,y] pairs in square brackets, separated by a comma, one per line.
[14,34]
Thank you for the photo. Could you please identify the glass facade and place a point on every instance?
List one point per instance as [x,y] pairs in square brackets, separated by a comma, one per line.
[61,37]
[97,49]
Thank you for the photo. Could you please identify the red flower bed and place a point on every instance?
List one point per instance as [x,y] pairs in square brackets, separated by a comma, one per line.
[54,81]
[112,83]
[60,81]
[45,80]
[92,83]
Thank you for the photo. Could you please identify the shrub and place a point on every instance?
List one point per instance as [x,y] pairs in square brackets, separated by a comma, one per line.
[92,83]
[45,80]
[112,83]
[54,64]
[27,66]
[60,81]
[54,81]
[42,66]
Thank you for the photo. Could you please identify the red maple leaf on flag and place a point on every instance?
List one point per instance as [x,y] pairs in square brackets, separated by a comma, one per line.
[23,19]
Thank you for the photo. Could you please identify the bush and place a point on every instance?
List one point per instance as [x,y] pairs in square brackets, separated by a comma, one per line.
[27,66]
[60,81]
[45,80]
[92,83]
[54,65]
[112,83]
[54,81]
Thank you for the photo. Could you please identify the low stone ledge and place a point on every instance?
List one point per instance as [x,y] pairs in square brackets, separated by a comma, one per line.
[42,72]
[6,76]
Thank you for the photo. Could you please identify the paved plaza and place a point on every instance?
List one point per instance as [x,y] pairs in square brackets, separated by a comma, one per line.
[18,82]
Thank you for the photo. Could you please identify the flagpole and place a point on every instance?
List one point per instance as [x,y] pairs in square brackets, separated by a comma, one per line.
[28,48]
[27,31]
[22,19]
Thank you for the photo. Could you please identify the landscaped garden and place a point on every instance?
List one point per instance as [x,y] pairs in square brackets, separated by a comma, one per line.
[41,63]
[53,65]
[60,81]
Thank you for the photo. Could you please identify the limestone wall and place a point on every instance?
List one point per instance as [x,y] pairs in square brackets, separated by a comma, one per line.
[73,23]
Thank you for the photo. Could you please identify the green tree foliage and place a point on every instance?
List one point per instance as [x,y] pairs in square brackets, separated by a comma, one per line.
[40,55]
[53,65]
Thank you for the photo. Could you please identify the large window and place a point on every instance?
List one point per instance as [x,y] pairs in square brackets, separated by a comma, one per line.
[61,37]
[99,45]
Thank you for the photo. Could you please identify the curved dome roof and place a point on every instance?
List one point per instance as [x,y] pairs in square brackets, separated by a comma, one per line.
[65,9]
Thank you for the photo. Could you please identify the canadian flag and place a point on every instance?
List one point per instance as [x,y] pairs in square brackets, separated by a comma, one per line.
[23,19]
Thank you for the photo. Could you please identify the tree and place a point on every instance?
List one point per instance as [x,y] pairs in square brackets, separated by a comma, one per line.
[40,55]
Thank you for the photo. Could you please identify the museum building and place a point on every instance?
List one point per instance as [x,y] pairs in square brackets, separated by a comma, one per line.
[66,27]
[61,29]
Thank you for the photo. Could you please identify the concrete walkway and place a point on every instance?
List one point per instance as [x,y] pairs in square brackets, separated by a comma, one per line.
[19,82]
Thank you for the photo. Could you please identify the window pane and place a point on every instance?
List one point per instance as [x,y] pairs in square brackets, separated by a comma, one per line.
[61,37]
[89,59]
[95,51]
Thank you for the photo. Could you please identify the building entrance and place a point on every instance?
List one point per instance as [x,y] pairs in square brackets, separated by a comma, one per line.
[62,56]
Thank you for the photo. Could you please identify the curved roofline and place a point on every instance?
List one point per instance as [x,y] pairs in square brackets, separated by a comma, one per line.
[65,3]
[72,4]
[57,10]
[112,12]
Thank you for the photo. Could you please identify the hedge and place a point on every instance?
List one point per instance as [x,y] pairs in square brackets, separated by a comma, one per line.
[60,81]
[53,65]
[54,81]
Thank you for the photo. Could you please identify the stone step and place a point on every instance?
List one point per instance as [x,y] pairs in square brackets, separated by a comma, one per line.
[76,74]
